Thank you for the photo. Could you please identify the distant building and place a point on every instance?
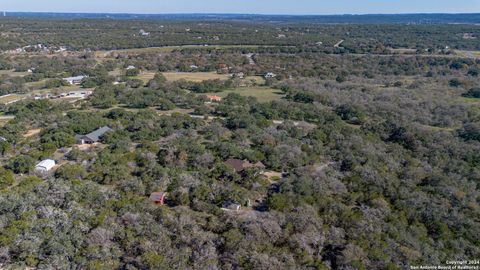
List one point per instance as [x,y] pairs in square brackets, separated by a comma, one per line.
[469,36]
[45,166]
[270,75]
[193,66]
[144,33]
[74,80]
[78,94]
[61,49]
[158,198]
[214,98]
[239,75]
[93,137]
[240,165]
[229,206]
[131,67]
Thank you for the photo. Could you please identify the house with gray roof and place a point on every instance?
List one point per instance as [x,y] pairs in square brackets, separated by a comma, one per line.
[93,137]
[75,80]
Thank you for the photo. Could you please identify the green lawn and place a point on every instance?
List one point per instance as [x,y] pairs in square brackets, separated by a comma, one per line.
[194,76]
[10,98]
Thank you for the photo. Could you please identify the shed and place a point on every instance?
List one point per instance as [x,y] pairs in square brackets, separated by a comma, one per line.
[158,198]
[45,166]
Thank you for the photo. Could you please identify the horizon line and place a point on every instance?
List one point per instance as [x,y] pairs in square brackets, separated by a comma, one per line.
[249,14]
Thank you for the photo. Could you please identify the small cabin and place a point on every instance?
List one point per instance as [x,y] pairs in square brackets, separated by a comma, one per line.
[158,198]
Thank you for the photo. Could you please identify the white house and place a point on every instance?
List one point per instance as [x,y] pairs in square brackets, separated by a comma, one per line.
[79,94]
[45,166]
[75,80]
[131,67]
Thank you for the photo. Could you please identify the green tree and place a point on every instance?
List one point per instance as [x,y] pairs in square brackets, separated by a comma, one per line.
[22,164]
[6,178]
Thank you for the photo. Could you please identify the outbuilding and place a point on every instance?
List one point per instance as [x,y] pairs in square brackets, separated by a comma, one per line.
[45,166]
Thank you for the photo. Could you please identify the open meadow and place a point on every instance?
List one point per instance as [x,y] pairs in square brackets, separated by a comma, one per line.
[262,94]
[194,76]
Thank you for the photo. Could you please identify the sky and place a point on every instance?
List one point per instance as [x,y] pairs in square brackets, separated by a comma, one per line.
[297,7]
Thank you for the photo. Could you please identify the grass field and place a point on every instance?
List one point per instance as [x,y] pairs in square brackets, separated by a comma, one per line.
[12,73]
[403,50]
[3,122]
[4,119]
[258,80]
[263,94]
[466,100]
[194,76]
[145,76]
[10,98]
[36,85]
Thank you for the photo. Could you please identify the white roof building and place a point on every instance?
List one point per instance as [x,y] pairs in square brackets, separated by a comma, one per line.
[144,33]
[74,80]
[270,75]
[45,166]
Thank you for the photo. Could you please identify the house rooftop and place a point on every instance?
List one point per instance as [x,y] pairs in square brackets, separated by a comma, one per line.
[95,135]
[46,165]
[98,133]
[75,78]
